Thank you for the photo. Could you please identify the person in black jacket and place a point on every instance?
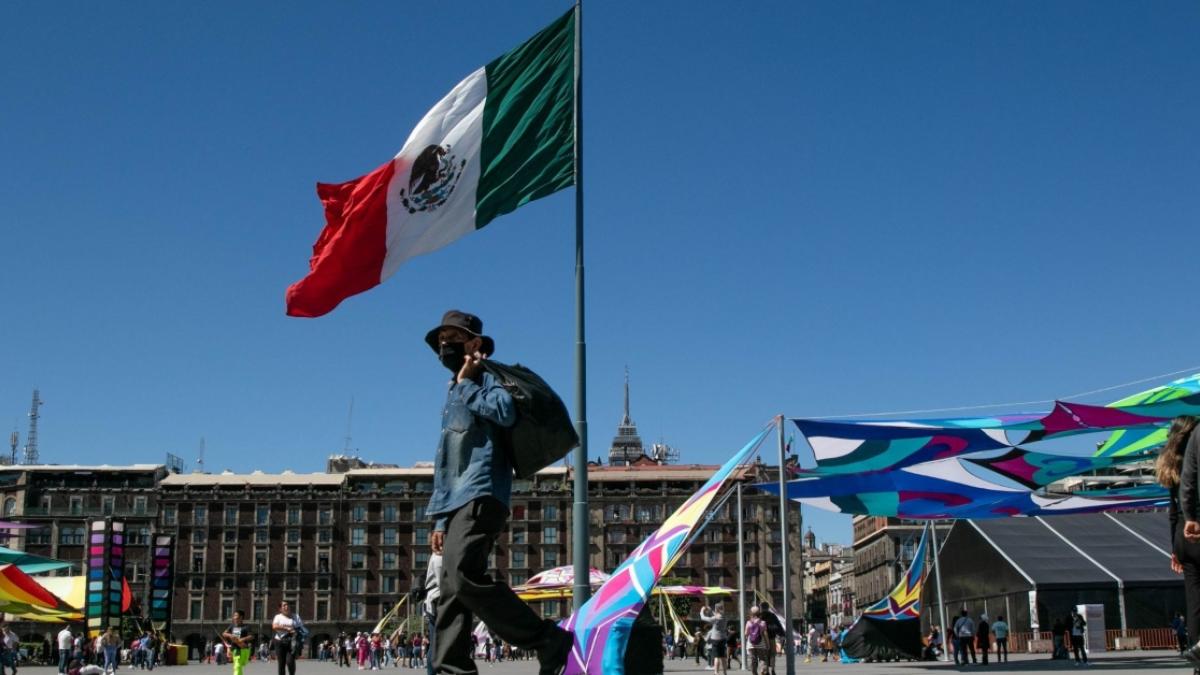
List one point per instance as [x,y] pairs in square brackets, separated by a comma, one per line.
[1177,470]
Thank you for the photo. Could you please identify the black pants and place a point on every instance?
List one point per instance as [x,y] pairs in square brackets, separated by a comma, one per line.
[1189,557]
[968,647]
[467,591]
[1002,649]
[1078,648]
[984,648]
[284,657]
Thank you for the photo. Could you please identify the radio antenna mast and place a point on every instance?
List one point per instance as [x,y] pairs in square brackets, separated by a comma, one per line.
[31,448]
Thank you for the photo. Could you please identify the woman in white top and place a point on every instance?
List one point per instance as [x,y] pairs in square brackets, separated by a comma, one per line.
[716,635]
[289,637]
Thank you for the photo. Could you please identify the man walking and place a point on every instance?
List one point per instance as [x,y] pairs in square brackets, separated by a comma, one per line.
[964,639]
[472,487]
[66,644]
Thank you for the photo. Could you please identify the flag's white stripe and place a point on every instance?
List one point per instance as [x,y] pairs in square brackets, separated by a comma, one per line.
[456,121]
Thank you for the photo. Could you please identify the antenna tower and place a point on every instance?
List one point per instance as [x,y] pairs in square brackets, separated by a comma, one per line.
[31,449]
[12,440]
[349,427]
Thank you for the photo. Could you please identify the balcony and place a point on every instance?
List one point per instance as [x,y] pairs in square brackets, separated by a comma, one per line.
[81,512]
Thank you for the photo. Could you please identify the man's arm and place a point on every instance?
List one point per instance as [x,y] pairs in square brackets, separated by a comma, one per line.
[489,400]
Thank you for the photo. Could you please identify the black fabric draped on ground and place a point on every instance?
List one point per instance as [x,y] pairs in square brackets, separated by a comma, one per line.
[874,640]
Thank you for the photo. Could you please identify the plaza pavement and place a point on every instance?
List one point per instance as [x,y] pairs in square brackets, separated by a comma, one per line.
[1115,663]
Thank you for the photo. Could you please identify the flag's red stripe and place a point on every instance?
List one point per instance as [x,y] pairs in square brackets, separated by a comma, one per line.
[348,256]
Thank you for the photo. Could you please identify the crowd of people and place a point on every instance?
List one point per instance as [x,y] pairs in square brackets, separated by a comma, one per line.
[375,650]
[105,653]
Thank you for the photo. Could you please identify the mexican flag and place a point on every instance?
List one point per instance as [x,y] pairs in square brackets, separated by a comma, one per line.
[502,137]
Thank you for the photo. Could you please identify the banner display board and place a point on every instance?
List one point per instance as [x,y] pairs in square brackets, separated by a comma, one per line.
[162,578]
[105,575]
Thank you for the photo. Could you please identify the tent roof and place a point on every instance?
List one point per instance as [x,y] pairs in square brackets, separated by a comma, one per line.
[1085,549]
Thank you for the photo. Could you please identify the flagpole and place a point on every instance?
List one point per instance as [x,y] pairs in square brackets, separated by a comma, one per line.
[582,588]
[788,647]
[937,573]
[741,578]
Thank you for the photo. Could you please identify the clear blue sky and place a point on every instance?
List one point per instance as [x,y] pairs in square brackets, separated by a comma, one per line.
[797,207]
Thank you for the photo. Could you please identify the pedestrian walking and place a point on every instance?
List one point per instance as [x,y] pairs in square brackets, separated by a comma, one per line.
[472,488]
[289,638]
[110,642]
[241,641]
[983,637]
[716,636]
[1078,631]
[964,639]
[1000,630]
[66,644]
[1177,470]
[774,633]
[756,642]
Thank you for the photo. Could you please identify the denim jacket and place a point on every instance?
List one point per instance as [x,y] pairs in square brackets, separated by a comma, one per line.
[468,463]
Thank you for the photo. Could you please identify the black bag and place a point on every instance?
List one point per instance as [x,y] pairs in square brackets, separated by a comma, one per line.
[543,432]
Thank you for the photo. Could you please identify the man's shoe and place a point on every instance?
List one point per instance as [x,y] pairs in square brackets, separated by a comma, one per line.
[552,658]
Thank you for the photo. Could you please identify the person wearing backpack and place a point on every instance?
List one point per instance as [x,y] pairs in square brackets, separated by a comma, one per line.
[756,641]
[964,639]
[472,489]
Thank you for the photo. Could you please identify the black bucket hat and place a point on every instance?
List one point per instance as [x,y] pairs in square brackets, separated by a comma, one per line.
[468,322]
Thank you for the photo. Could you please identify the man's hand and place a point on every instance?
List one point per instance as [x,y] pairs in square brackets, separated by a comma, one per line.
[1176,567]
[436,540]
[1191,530]
[471,366]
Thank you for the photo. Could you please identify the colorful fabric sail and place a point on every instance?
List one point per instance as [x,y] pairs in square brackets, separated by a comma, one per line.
[22,594]
[1134,441]
[602,625]
[892,626]
[904,602]
[939,490]
[30,563]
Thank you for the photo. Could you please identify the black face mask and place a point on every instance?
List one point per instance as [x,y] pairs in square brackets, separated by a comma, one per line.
[452,355]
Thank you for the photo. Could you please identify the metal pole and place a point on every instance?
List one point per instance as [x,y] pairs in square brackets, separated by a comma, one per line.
[937,575]
[788,648]
[741,578]
[583,589]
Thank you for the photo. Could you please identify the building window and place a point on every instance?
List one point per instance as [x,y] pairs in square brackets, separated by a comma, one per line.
[359,513]
[231,513]
[325,516]
[199,537]
[518,536]
[517,578]
[550,558]
[293,515]
[262,514]
[388,583]
[260,561]
[322,583]
[358,536]
[550,534]
[616,536]
[293,561]
[200,515]
[714,578]
[291,584]
[550,512]
[421,559]
[108,504]
[39,536]
[139,506]
[196,583]
[391,513]
[293,536]
[261,536]
[518,512]
[259,585]
[358,560]
[714,559]
[323,562]
[229,537]
[77,506]
[198,561]
[139,536]
[257,610]
[518,559]
[227,584]
[135,571]
[70,536]
[421,536]
[390,560]
[390,538]
[358,583]
[322,610]
[419,513]
[169,515]
[226,608]
[356,610]
[196,609]
[324,536]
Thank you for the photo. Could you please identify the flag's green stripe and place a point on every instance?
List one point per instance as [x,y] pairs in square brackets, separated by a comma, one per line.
[528,122]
